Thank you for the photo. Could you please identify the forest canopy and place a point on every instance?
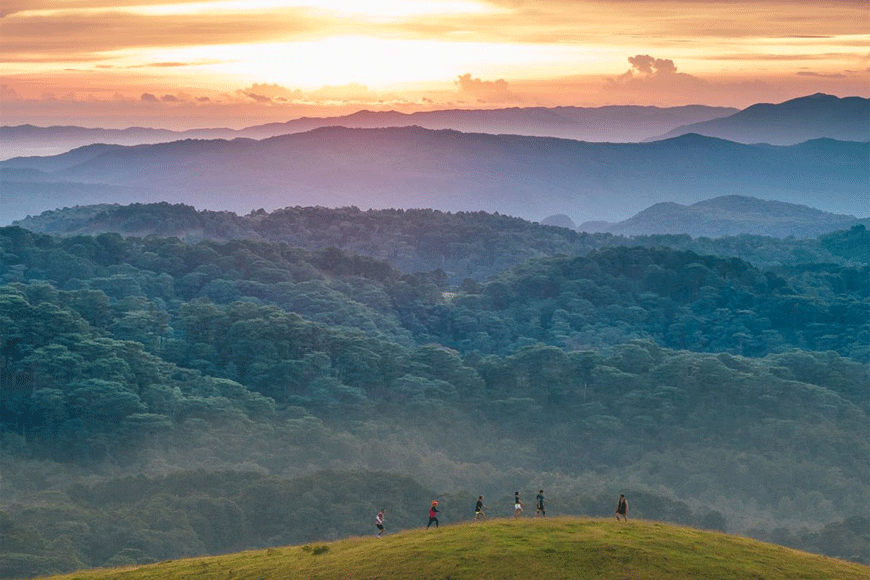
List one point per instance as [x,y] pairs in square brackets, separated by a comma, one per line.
[724,393]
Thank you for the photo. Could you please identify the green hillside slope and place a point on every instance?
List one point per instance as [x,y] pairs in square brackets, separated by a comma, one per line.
[507,549]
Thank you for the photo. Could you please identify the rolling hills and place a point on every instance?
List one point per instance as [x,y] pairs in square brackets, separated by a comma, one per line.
[467,245]
[512,549]
[411,167]
[729,215]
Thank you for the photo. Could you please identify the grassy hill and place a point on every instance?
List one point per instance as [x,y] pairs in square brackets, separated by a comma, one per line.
[507,549]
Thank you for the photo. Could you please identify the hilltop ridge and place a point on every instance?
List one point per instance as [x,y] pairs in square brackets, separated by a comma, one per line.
[728,215]
[513,549]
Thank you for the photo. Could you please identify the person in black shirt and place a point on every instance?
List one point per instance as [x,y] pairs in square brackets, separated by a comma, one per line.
[539,509]
[622,508]
[478,509]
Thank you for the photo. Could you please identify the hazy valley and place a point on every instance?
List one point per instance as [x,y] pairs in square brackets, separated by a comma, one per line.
[217,345]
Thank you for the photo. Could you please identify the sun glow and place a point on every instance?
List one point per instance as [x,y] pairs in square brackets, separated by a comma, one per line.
[79,55]
[374,62]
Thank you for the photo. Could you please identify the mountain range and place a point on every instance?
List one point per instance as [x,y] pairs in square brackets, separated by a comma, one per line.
[791,122]
[412,167]
[786,123]
[613,123]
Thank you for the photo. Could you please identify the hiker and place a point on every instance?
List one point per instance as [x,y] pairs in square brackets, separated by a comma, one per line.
[478,509]
[379,522]
[433,514]
[518,505]
[540,504]
[622,508]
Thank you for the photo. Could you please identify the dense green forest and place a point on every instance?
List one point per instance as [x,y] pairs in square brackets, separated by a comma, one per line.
[473,245]
[222,374]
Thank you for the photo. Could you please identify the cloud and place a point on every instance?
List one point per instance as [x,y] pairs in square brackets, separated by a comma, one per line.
[652,80]
[658,81]
[806,73]
[644,64]
[165,64]
[264,93]
[675,20]
[149,98]
[256,97]
[70,36]
[648,73]
[649,65]
[272,91]
[7,93]
[485,91]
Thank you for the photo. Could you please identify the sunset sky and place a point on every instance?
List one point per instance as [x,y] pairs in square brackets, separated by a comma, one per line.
[236,63]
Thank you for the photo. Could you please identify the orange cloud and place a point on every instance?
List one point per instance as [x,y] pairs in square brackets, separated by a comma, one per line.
[7,93]
[485,91]
[266,93]
[649,73]
[86,36]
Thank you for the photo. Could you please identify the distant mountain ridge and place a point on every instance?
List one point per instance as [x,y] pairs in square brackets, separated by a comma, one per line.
[787,123]
[795,121]
[730,215]
[411,167]
[622,123]
[627,123]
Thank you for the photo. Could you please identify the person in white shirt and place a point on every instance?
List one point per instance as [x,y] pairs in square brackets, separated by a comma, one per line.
[379,522]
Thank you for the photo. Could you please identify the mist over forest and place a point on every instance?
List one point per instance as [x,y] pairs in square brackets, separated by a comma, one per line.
[277,378]
[178,379]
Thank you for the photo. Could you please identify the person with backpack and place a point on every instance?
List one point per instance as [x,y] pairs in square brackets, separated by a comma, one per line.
[433,514]
[622,508]
[379,522]
[539,509]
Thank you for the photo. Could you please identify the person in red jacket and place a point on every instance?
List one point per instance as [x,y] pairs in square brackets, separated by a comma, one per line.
[433,514]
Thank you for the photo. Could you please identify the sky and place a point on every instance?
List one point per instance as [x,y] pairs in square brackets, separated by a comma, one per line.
[236,63]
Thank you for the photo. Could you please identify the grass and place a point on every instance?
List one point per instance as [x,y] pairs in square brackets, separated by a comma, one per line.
[524,549]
